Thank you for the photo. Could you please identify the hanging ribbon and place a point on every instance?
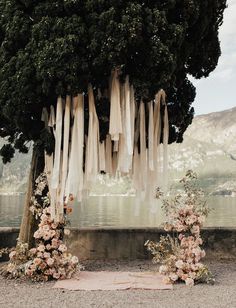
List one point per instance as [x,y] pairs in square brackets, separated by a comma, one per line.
[165,142]
[150,138]
[124,150]
[92,159]
[65,154]
[74,185]
[143,153]
[115,124]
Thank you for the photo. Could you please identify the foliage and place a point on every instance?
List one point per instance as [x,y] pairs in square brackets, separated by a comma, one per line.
[49,258]
[180,254]
[50,48]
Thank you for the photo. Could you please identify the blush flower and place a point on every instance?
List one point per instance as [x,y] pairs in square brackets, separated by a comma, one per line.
[37,261]
[50,261]
[12,254]
[41,248]
[62,248]
[74,260]
[179,264]
[189,282]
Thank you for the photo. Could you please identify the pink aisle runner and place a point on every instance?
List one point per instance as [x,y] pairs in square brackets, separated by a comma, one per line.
[91,281]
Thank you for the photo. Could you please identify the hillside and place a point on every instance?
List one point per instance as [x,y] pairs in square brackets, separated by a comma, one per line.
[13,176]
[209,148]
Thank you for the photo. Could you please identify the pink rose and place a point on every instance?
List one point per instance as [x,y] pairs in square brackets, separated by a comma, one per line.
[46,255]
[39,254]
[33,251]
[46,228]
[41,248]
[37,261]
[37,234]
[48,246]
[62,248]
[50,261]
[55,243]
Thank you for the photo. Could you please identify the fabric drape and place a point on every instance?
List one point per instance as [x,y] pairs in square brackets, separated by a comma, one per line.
[131,147]
[115,123]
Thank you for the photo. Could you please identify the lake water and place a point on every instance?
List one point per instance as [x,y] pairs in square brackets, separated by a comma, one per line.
[119,211]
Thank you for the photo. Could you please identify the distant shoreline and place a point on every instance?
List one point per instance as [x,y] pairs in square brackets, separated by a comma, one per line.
[14,193]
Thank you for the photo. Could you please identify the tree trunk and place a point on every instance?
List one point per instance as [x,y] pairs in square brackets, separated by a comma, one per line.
[28,222]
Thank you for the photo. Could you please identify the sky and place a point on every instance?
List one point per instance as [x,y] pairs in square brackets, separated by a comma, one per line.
[218,91]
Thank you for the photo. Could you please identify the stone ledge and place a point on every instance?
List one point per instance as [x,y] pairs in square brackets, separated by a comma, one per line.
[128,243]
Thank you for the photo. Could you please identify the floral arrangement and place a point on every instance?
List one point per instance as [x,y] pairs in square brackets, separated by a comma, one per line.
[180,253]
[49,258]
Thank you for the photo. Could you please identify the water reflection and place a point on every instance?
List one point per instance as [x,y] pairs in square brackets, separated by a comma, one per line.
[119,211]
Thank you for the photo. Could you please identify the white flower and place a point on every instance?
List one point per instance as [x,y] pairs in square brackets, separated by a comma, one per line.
[37,234]
[74,260]
[56,275]
[12,254]
[41,248]
[189,282]
[163,269]
[173,277]
[46,255]
[62,248]
[179,264]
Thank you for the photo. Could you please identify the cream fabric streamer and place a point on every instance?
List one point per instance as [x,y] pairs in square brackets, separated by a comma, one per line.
[56,167]
[122,155]
[102,157]
[52,120]
[128,117]
[65,154]
[124,152]
[48,158]
[132,114]
[109,169]
[136,170]
[142,144]
[116,146]
[150,137]
[80,127]
[156,177]
[165,143]
[56,176]
[92,159]
[115,125]
[74,185]
[114,163]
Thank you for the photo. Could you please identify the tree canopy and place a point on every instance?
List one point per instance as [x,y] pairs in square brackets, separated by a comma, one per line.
[51,48]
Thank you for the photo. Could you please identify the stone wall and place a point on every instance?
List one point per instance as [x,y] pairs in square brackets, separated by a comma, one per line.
[128,244]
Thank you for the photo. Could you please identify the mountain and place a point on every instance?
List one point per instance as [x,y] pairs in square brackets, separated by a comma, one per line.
[209,148]
[14,175]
